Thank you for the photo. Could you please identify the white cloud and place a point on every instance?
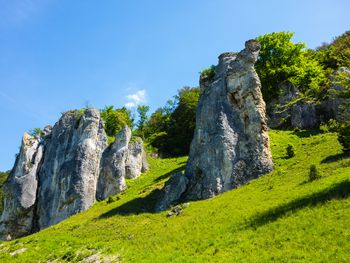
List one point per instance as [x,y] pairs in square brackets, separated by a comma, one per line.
[136,98]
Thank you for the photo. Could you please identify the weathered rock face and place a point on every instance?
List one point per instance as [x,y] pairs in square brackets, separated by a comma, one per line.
[20,190]
[293,111]
[231,143]
[278,115]
[304,115]
[112,175]
[69,173]
[63,172]
[125,158]
[172,191]
[136,159]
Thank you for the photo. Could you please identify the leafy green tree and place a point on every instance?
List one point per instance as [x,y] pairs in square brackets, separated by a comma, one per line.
[3,177]
[115,119]
[142,111]
[340,50]
[344,93]
[170,129]
[280,60]
[183,120]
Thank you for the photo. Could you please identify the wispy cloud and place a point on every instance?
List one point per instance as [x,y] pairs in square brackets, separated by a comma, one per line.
[136,98]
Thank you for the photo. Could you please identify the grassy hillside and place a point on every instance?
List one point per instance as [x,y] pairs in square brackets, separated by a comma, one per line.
[280,217]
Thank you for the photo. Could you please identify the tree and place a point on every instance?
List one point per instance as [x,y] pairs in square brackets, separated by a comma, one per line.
[340,50]
[344,94]
[142,110]
[170,129]
[183,120]
[115,119]
[280,60]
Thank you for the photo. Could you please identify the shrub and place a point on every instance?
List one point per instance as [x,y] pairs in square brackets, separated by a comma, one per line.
[36,132]
[344,136]
[208,72]
[290,151]
[314,173]
[110,200]
[330,126]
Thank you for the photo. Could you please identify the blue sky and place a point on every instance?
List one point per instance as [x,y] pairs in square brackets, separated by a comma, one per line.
[57,55]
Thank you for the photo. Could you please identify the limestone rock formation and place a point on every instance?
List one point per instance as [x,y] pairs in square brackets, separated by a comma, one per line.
[69,173]
[20,190]
[278,112]
[231,143]
[293,111]
[304,115]
[172,191]
[136,159]
[112,174]
[62,172]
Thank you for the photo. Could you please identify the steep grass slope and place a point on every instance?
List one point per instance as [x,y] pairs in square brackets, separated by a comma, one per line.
[280,217]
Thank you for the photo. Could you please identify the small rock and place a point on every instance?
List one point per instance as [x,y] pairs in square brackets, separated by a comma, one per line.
[19,251]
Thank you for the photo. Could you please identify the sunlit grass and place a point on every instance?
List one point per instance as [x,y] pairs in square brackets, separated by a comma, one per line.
[280,217]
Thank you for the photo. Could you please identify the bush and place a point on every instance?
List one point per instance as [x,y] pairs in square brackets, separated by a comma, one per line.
[110,200]
[330,126]
[344,136]
[208,72]
[290,151]
[36,132]
[314,173]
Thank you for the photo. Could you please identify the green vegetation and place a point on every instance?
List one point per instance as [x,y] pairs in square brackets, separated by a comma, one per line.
[208,73]
[280,217]
[36,132]
[114,120]
[170,129]
[280,61]
[3,177]
[290,150]
[314,173]
[344,126]
[344,136]
[336,54]
[142,110]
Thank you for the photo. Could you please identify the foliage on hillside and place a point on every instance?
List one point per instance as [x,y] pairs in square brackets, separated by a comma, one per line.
[170,129]
[3,177]
[281,217]
[280,61]
[115,119]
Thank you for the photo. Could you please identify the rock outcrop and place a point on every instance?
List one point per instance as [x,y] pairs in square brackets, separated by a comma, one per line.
[62,172]
[291,110]
[21,189]
[231,143]
[112,174]
[136,160]
[70,169]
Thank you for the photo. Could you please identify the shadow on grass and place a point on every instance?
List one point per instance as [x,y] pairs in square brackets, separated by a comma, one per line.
[139,205]
[307,133]
[336,157]
[136,206]
[164,176]
[337,191]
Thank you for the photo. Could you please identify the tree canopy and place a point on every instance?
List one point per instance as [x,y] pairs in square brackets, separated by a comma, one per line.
[280,60]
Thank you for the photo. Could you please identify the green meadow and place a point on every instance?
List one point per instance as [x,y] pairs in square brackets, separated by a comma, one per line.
[283,216]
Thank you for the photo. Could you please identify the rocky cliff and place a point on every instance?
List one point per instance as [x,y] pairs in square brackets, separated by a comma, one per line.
[231,143]
[63,171]
[293,110]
